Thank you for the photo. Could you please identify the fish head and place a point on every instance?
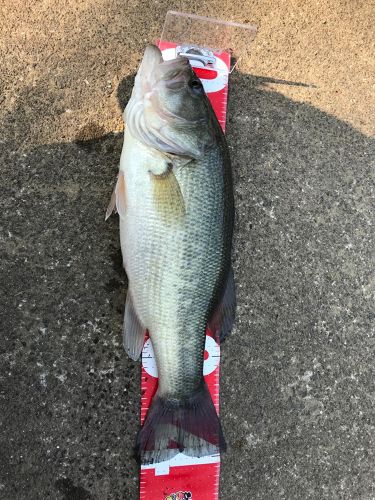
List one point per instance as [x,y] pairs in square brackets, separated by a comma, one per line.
[169,109]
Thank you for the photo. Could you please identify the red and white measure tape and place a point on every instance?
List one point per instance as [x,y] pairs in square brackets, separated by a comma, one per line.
[183,477]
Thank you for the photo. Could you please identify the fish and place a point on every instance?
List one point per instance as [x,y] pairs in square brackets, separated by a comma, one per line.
[174,196]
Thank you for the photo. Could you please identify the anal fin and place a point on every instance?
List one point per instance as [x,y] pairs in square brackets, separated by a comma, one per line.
[133,330]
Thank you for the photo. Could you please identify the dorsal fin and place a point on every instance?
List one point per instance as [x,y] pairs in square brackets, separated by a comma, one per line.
[222,320]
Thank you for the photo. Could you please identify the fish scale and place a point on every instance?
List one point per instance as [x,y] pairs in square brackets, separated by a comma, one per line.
[195,248]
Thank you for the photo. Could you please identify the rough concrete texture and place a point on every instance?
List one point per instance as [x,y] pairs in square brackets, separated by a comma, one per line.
[298,372]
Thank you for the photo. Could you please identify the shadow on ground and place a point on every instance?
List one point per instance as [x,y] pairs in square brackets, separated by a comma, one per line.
[297,377]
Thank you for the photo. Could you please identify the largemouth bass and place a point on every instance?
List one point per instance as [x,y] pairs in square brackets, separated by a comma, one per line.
[174,196]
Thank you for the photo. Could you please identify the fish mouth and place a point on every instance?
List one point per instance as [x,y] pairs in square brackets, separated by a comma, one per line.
[151,60]
[154,71]
[159,106]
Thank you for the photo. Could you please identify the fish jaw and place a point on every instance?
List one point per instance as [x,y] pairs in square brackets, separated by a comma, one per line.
[163,112]
[146,74]
[154,72]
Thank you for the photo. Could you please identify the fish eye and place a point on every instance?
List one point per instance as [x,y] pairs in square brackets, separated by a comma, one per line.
[196,85]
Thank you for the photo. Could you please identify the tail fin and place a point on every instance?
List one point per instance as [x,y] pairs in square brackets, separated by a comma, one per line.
[191,426]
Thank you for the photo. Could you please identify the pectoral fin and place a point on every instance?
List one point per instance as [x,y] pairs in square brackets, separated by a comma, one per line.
[167,195]
[222,320]
[133,330]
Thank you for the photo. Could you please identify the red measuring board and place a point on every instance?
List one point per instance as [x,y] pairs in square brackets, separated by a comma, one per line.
[183,477]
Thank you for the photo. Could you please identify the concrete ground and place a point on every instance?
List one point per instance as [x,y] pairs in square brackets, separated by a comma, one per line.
[298,381]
